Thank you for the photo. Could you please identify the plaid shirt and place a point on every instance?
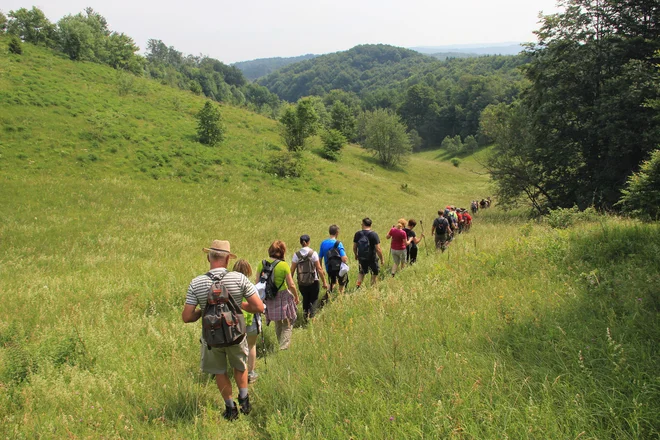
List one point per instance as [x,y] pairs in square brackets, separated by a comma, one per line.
[281,307]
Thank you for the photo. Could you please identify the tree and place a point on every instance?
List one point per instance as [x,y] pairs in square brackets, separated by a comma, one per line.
[209,129]
[641,196]
[385,136]
[342,120]
[3,23]
[416,140]
[584,126]
[298,123]
[470,145]
[452,144]
[31,26]
[333,142]
[15,46]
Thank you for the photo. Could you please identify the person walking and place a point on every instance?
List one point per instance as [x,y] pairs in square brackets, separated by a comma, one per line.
[398,243]
[441,231]
[333,253]
[307,265]
[282,308]
[253,323]
[367,251]
[412,241]
[214,360]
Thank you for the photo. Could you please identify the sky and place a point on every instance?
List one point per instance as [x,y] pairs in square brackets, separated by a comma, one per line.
[236,30]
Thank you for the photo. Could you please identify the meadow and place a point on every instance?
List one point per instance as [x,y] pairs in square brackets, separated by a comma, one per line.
[519,330]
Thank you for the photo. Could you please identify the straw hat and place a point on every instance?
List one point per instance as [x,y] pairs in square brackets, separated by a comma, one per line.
[220,246]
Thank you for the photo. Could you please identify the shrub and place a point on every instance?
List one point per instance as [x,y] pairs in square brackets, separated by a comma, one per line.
[333,142]
[284,164]
[15,46]
[456,162]
[641,198]
[209,129]
[562,218]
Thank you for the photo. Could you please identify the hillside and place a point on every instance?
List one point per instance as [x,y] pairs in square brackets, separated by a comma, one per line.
[255,69]
[518,331]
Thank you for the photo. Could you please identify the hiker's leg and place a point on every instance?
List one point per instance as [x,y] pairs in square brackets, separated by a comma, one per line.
[310,297]
[278,330]
[224,385]
[252,353]
[284,338]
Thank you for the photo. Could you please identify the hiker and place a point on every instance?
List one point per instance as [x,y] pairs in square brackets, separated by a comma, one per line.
[441,230]
[307,265]
[412,241]
[474,206]
[398,245]
[282,308]
[214,360]
[367,251]
[253,323]
[482,204]
[333,253]
[461,221]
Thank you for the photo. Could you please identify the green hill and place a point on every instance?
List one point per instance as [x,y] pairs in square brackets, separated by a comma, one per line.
[254,69]
[518,331]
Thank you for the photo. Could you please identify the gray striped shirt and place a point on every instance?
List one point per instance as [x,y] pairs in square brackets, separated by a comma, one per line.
[237,285]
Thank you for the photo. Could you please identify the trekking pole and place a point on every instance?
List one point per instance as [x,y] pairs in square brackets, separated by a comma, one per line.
[263,342]
[421,223]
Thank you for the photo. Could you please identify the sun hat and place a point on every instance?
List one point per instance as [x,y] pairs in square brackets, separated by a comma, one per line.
[220,246]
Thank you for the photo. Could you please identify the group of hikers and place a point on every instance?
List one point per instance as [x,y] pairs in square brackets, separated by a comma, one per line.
[231,306]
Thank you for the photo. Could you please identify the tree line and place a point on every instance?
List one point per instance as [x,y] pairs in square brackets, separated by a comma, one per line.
[86,36]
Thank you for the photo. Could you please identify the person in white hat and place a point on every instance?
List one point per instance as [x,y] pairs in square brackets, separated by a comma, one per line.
[214,360]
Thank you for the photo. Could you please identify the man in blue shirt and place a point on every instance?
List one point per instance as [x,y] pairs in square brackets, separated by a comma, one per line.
[328,251]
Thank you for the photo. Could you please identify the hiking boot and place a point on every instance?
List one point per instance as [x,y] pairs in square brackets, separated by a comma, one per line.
[245,405]
[231,412]
[252,376]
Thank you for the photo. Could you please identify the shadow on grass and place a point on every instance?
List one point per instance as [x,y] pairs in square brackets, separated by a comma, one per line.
[598,344]
[445,155]
[371,160]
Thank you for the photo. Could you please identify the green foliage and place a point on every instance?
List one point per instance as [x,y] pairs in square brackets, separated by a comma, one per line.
[342,120]
[31,26]
[470,145]
[562,218]
[298,123]
[15,46]
[416,140]
[333,142]
[456,162]
[582,125]
[284,164]
[453,144]
[209,128]
[3,23]
[255,69]
[385,136]
[641,196]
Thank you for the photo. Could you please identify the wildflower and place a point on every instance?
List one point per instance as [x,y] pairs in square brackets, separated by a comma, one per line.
[639,299]
[391,418]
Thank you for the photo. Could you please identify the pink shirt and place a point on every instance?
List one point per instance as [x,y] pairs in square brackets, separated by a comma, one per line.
[398,239]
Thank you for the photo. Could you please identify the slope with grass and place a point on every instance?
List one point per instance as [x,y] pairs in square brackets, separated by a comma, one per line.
[518,331]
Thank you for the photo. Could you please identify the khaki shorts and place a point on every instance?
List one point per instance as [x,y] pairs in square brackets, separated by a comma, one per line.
[399,256]
[214,361]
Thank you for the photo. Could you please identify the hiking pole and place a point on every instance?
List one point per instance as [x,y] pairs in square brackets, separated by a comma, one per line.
[263,342]
[421,223]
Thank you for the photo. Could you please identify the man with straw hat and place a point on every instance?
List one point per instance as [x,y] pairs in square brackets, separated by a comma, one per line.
[214,360]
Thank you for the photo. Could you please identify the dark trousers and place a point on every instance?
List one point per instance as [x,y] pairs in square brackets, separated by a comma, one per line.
[310,296]
[411,254]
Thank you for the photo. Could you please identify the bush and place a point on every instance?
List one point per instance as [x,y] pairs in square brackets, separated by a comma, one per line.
[456,162]
[563,218]
[284,164]
[209,129]
[15,46]
[641,198]
[333,142]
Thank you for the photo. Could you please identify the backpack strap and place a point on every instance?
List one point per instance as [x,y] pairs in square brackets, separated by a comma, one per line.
[336,245]
[214,278]
[273,264]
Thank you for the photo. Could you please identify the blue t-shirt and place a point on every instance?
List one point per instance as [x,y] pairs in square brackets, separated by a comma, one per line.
[325,247]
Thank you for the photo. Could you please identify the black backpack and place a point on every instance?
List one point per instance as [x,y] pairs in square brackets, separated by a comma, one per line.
[442,226]
[267,276]
[365,251]
[334,258]
[223,323]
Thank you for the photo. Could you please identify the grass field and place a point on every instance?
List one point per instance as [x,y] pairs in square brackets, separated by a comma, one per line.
[517,331]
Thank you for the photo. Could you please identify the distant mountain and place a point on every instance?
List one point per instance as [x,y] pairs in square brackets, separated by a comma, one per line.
[255,69]
[493,49]
[443,56]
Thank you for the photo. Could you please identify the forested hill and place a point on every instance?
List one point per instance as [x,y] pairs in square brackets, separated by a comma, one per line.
[364,67]
[255,69]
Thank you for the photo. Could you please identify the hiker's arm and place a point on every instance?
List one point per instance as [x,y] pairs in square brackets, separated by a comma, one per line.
[379,252]
[321,272]
[292,287]
[417,239]
[355,250]
[253,304]
[344,259]
[293,269]
[190,314]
